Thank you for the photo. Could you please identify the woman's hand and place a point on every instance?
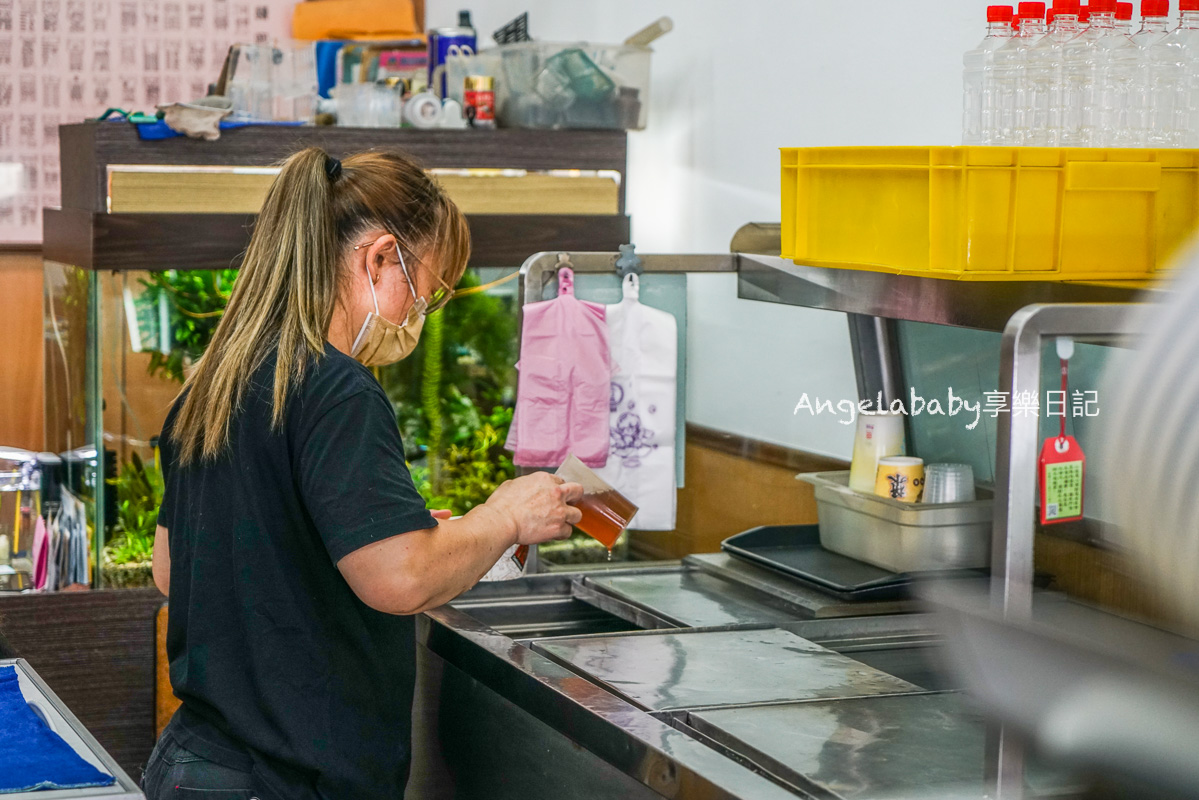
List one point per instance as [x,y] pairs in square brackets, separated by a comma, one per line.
[537,506]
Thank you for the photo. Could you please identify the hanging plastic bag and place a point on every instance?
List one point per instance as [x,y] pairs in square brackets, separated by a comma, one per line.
[643,344]
[563,385]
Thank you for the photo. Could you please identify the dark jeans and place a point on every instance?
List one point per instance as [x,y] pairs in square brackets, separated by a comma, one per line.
[175,772]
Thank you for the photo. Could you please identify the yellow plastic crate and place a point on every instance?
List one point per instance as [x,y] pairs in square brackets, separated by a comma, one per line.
[990,213]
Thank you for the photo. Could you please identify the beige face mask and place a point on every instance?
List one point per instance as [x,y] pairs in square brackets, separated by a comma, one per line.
[381,342]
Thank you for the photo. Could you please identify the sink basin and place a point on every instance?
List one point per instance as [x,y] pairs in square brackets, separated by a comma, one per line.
[541,616]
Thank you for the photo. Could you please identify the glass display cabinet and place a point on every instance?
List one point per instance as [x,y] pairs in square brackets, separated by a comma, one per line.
[141,260]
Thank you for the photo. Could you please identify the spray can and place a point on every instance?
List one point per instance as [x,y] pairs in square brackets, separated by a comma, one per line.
[479,96]
[461,37]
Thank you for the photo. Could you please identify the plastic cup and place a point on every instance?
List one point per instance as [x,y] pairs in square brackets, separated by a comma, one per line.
[606,512]
[879,435]
[948,483]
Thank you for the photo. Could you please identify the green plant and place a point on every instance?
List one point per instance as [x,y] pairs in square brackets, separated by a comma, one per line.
[195,301]
[139,494]
[470,472]
[453,397]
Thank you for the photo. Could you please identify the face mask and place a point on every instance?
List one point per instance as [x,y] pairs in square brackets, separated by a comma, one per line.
[380,342]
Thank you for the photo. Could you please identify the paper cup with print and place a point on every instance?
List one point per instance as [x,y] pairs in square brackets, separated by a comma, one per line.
[900,478]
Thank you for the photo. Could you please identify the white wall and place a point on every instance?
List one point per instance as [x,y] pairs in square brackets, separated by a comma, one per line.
[731,84]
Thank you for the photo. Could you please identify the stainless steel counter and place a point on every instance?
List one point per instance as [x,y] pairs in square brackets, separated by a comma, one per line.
[710,679]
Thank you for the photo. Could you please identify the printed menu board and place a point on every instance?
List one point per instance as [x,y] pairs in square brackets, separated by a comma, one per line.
[64,61]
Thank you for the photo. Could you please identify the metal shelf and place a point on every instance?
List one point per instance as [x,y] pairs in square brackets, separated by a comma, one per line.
[965,304]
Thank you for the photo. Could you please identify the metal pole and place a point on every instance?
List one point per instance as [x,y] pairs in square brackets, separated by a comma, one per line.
[1016,477]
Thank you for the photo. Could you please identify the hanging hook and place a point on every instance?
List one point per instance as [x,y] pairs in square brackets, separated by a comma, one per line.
[628,263]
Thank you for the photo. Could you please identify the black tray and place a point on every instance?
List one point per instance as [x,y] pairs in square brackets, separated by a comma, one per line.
[795,550]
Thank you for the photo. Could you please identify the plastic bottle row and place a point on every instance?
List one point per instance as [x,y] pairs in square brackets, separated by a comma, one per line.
[1084,77]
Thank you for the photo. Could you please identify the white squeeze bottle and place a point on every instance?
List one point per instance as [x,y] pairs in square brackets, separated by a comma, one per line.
[1012,103]
[1081,73]
[1155,24]
[978,109]
[1172,80]
[1118,62]
[1044,72]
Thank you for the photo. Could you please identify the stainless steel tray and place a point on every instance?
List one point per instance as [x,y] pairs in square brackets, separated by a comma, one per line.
[669,670]
[901,537]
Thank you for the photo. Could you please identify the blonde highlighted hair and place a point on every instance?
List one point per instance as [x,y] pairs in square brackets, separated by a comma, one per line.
[288,284]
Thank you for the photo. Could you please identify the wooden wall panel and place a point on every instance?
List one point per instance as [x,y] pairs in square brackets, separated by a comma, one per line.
[728,491]
[21,422]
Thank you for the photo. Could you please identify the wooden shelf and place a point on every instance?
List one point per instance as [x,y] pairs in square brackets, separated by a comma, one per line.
[216,241]
[83,232]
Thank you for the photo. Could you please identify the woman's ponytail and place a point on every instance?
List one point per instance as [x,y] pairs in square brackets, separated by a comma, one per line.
[284,296]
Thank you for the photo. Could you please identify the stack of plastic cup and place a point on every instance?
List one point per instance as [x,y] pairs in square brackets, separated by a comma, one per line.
[948,483]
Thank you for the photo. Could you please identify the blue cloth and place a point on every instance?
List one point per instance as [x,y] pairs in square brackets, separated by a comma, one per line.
[153,131]
[31,755]
[326,64]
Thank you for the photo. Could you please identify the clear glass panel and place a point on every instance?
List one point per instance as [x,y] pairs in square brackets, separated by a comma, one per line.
[938,359]
[454,409]
[71,396]
[153,325]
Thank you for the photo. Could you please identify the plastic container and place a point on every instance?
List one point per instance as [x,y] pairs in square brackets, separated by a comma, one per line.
[978,102]
[576,85]
[1173,63]
[1044,75]
[1119,59]
[1012,89]
[901,537]
[1154,27]
[989,213]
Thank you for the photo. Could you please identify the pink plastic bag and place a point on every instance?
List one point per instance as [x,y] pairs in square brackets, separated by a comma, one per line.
[564,382]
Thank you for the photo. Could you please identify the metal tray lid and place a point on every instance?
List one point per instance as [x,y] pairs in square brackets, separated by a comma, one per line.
[833,487]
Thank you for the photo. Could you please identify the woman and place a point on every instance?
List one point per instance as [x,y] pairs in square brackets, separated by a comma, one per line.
[291,541]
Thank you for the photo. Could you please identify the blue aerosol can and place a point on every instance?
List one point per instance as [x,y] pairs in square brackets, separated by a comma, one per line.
[460,39]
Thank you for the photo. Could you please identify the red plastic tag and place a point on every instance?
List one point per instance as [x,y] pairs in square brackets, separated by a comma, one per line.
[1060,479]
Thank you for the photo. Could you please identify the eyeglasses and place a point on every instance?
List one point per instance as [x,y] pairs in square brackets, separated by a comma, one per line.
[440,296]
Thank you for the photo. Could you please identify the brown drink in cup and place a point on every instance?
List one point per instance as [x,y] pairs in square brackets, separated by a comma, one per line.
[606,512]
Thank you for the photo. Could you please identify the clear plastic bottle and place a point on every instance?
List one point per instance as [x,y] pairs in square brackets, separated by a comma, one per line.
[1012,88]
[1124,18]
[1044,71]
[1172,62]
[1118,62]
[1155,24]
[978,103]
[1081,77]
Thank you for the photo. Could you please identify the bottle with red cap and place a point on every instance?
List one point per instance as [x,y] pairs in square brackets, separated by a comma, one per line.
[1012,88]
[1155,24]
[978,104]
[1044,69]
[1124,18]
[1082,73]
[1173,63]
[1118,61]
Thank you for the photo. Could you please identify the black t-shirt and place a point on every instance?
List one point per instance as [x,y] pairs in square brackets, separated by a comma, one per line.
[279,665]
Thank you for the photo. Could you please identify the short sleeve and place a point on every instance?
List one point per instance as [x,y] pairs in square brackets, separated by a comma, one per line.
[353,479]
[166,459]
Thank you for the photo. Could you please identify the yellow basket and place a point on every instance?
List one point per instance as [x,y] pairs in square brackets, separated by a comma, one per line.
[990,213]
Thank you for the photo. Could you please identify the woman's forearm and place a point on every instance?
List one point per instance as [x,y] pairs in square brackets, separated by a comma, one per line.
[419,570]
